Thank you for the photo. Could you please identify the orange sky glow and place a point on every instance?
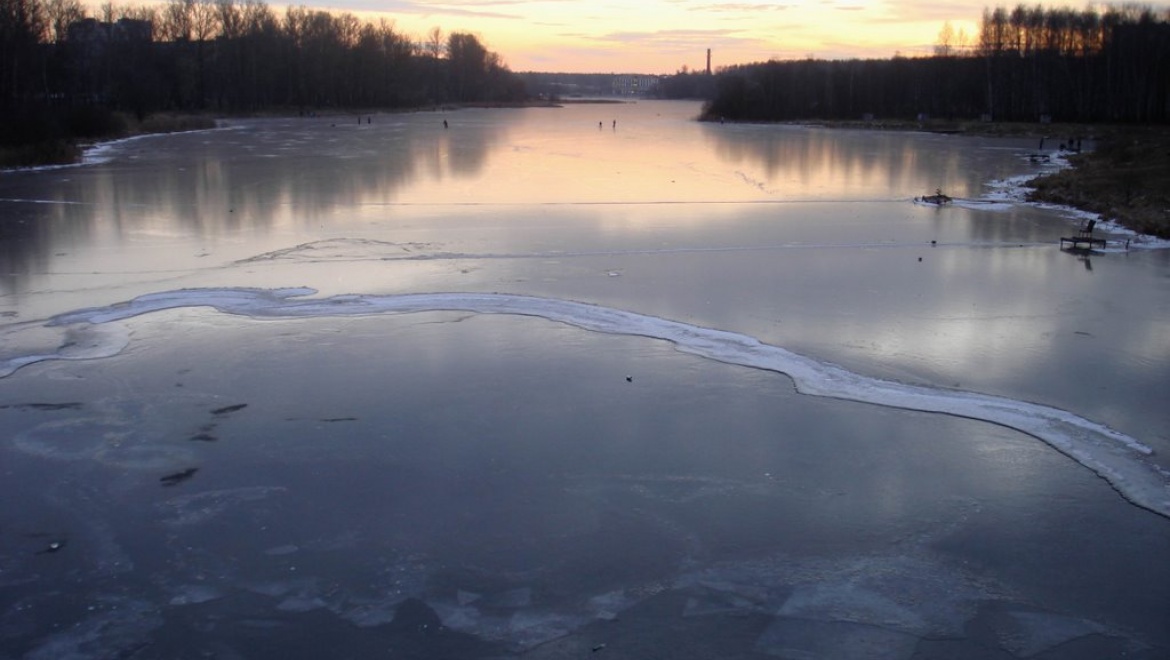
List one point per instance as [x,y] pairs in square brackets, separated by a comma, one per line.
[663,36]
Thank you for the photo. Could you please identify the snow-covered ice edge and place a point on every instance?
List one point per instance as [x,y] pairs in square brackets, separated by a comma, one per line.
[1114,456]
[1015,189]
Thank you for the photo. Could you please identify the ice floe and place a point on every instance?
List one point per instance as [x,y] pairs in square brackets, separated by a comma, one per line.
[201,507]
[797,639]
[111,433]
[1030,633]
[194,594]
[114,622]
[83,342]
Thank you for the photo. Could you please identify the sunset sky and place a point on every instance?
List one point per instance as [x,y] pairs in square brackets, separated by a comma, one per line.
[661,36]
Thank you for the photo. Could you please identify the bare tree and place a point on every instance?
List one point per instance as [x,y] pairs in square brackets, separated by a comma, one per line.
[258,18]
[147,13]
[60,14]
[176,24]
[205,24]
[231,18]
[22,27]
[946,39]
[434,43]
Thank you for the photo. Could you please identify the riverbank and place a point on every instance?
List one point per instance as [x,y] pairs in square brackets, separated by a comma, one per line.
[68,143]
[1125,179]
[68,147]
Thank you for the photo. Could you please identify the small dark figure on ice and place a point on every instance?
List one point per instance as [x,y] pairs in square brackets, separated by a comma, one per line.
[937,198]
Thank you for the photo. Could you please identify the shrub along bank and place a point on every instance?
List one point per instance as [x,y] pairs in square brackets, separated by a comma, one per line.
[1125,179]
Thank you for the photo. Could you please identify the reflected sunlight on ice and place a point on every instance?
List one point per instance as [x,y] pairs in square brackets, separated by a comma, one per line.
[1112,455]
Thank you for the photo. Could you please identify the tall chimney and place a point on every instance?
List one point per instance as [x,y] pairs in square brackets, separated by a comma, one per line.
[708,61]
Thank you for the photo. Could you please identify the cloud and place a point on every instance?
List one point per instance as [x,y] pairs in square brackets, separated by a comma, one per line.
[680,40]
[663,36]
[657,34]
[931,10]
[459,8]
[738,8]
[448,4]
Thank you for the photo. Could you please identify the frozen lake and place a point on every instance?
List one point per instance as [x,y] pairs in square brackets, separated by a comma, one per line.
[590,381]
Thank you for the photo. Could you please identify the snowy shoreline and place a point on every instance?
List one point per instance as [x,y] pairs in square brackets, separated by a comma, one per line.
[1015,190]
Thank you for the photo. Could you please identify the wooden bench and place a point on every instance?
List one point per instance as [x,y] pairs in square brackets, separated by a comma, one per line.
[1084,238]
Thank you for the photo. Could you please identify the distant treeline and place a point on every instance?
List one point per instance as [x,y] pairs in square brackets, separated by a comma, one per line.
[1028,64]
[225,56]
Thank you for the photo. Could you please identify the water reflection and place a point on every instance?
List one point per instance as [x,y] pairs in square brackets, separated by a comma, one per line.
[187,193]
[271,174]
[254,175]
[23,247]
[798,161]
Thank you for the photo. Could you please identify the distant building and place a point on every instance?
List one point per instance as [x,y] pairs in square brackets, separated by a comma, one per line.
[97,48]
[634,85]
[92,33]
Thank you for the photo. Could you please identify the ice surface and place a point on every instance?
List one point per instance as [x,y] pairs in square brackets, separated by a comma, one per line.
[111,437]
[512,599]
[301,603]
[193,594]
[374,612]
[116,624]
[530,628]
[848,602]
[281,550]
[75,343]
[198,508]
[1112,455]
[509,616]
[1035,632]
[796,639]
[729,600]
[822,604]
[907,591]
[470,620]
[607,606]
[875,606]
[458,617]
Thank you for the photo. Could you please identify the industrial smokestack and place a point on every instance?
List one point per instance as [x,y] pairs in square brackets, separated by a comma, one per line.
[708,61]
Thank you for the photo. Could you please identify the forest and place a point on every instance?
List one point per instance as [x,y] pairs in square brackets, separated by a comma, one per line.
[65,74]
[1027,64]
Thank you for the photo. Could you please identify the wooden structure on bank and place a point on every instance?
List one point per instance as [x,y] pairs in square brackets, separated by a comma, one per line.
[1084,238]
